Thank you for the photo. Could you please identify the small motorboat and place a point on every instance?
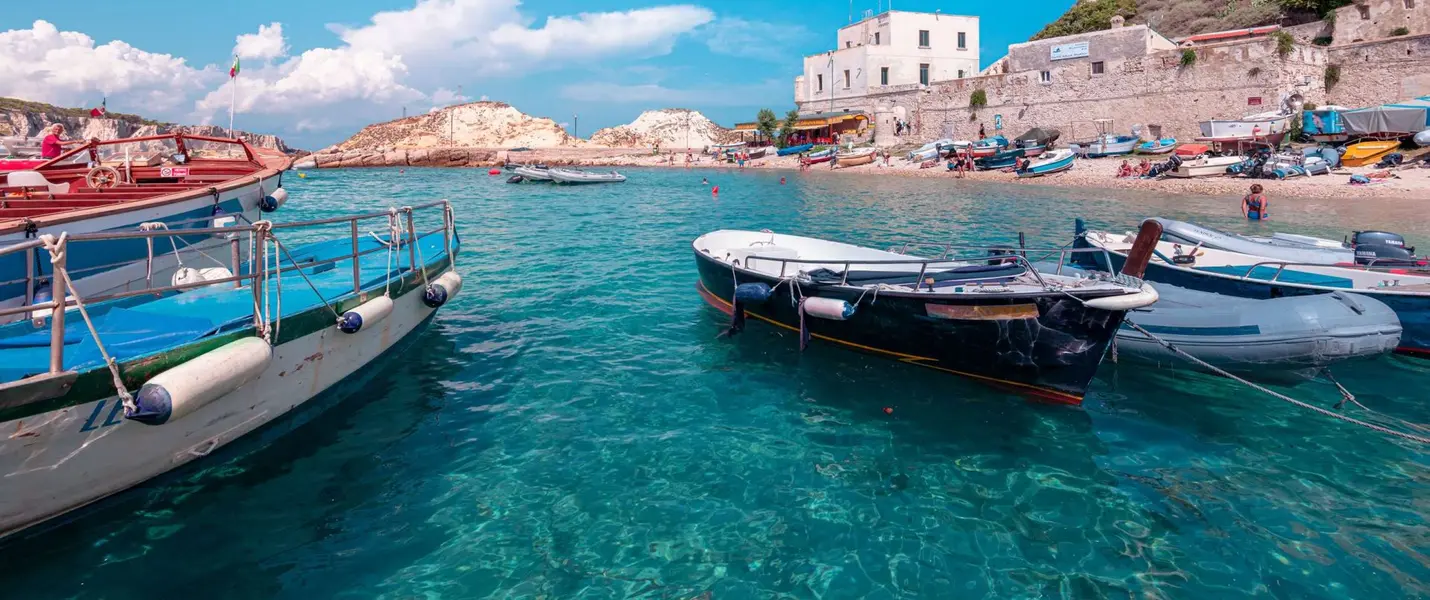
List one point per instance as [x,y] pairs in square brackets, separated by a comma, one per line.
[854,158]
[1269,127]
[990,146]
[564,175]
[1158,146]
[1052,162]
[993,318]
[794,150]
[1037,140]
[1252,276]
[1296,249]
[1262,339]
[927,151]
[756,153]
[1206,166]
[1107,145]
[533,173]
[1001,160]
[1367,153]
[823,156]
[1191,150]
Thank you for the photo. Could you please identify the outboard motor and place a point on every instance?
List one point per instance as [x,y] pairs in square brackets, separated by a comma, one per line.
[1381,247]
[1002,251]
[515,179]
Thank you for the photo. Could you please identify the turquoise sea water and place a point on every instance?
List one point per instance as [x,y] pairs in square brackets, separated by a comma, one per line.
[570,427]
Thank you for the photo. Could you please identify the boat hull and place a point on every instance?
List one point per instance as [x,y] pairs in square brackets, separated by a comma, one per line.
[1412,309]
[65,459]
[856,160]
[1052,357]
[103,267]
[1056,163]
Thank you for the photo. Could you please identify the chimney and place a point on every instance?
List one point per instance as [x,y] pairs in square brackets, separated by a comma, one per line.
[1117,21]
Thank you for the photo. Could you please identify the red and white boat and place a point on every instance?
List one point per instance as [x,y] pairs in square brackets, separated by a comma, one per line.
[1267,127]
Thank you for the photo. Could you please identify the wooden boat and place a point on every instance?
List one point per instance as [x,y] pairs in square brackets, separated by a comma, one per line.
[757,153]
[990,322]
[210,361]
[570,176]
[1268,127]
[991,146]
[172,182]
[1249,276]
[823,156]
[854,158]
[1207,166]
[1053,162]
[794,149]
[1158,146]
[1367,153]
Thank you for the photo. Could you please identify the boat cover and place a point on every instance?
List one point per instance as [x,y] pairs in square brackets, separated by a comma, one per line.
[1040,136]
[1385,120]
[1421,103]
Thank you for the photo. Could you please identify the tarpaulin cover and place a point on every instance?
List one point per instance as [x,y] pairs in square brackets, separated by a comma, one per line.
[1040,136]
[1422,103]
[1384,120]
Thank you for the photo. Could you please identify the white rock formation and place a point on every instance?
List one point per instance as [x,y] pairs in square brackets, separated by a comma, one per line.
[29,119]
[474,125]
[669,127]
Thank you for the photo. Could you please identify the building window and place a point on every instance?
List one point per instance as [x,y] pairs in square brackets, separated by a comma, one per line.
[924,73]
[1364,12]
[963,39]
[884,76]
[1098,68]
[923,38]
[819,83]
[846,79]
[876,38]
[960,73]
[848,44]
[1045,77]
[1409,4]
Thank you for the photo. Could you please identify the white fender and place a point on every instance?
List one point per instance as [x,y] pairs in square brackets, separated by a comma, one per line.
[828,308]
[273,201]
[442,289]
[367,314]
[190,275]
[1142,297]
[188,387]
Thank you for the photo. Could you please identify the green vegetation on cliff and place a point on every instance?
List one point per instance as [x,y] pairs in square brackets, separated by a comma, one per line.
[1087,16]
[1180,18]
[17,104]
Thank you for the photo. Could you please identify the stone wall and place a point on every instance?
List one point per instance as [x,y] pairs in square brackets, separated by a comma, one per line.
[1374,19]
[1374,73]
[1228,80]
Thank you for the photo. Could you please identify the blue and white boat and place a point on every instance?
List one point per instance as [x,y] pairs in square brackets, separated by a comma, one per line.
[174,183]
[1052,162]
[140,385]
[929,151]
[1157,146]
[794,149]
[1001,160]
[1230,273]
[1106,145]
[989,146]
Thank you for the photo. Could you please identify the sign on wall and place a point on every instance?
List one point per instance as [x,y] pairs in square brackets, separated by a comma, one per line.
[1253,101]
[1073,50]
[997,122]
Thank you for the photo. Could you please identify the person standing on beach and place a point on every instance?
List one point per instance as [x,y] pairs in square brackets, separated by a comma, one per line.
[981,133]
[1255,206]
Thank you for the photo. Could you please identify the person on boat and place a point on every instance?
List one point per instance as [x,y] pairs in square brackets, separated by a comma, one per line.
[1255,206]
[50,146]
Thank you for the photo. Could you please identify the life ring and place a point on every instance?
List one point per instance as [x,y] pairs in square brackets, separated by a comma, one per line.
[102,177]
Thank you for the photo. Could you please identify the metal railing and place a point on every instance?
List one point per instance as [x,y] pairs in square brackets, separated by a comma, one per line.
[257,277]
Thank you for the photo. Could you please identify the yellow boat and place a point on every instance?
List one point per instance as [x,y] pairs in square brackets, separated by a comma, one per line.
[1367,153]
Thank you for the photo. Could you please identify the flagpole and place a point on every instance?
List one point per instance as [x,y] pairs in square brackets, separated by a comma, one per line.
[233,99]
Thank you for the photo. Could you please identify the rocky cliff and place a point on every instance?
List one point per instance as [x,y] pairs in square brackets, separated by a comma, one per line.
[670,128]
[19,118]
[473,125]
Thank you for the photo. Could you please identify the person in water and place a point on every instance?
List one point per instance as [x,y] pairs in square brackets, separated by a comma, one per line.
[50,146]
[704,181]
[1255,206]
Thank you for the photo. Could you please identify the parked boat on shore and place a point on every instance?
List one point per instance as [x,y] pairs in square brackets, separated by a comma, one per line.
[1367,153]
[145,385]
[1206,166]
[1053,162]
[990,146]
[181,184]
[794,150]
[1158,146]
[854,158]
[1268,127]
[999,321]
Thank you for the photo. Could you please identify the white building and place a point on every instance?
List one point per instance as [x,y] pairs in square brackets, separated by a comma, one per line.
[894,48]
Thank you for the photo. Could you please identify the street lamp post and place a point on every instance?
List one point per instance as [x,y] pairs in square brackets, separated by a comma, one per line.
[576,126]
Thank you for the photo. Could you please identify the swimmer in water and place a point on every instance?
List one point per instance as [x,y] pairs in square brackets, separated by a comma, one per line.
[782,181]
[704,181]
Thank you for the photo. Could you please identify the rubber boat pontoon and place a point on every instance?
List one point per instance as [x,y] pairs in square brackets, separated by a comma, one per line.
[994,318]
[562,175]
[533,173]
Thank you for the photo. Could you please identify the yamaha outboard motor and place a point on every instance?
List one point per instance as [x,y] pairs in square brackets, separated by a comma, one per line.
[1381,247]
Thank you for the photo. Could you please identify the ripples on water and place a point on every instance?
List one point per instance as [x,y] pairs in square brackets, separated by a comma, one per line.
[570,428]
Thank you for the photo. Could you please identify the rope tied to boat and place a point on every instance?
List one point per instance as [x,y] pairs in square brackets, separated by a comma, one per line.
[421,266]
[56,247]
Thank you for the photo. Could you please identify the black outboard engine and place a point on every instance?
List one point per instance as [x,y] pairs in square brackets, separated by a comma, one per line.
[1382,248]
[1002,251]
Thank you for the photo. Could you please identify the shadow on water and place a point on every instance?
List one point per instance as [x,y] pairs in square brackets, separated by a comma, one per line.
[323,476]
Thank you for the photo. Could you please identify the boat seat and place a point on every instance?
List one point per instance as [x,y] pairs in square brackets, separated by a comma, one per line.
[35,179]
[954,276]
[742,257]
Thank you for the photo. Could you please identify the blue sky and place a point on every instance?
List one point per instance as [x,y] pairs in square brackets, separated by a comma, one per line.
[315,72]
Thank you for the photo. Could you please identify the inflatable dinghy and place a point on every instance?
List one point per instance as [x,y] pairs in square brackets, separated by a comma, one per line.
[1273,248]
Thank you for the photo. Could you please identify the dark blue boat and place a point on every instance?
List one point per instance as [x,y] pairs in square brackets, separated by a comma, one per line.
[795,149]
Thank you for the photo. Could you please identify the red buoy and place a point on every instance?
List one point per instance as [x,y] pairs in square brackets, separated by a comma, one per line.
[888,410]
[494,172]
[715,191]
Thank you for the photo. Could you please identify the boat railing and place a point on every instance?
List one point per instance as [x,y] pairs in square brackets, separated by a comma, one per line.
[1281,268]
[1044,253]
[1007,255]
[402,222]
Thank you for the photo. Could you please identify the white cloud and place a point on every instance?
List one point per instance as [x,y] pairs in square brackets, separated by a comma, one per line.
[654,95]
[444,96]
[752,39]
[67,68]
[648,31]
[267,44]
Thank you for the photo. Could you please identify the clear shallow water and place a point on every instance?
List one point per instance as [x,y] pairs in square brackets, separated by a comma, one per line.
[570,428]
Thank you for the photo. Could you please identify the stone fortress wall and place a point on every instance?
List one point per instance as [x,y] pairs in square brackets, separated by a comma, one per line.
[1227,80]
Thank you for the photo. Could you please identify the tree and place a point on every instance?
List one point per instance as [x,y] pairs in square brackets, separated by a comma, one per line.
[787,128]
[766,123]
[1085,17]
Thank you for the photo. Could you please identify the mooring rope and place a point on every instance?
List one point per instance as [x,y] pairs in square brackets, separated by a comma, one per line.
[1274,394]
